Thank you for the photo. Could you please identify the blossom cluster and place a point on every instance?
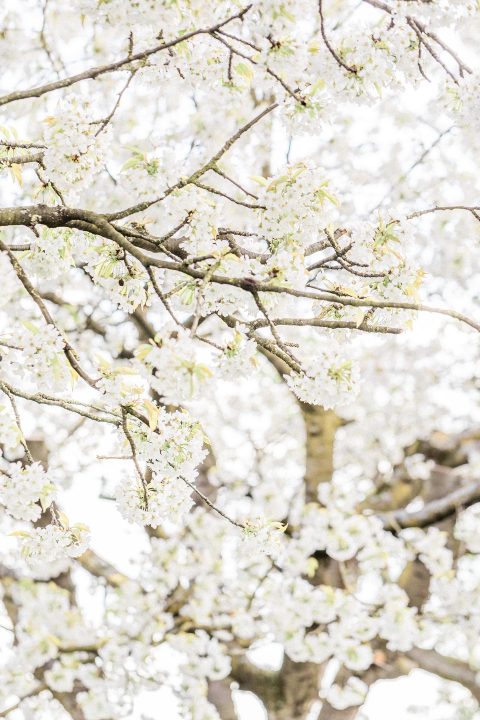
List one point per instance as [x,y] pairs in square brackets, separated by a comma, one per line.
[74,147]
[26,491]
[53,543]
[329,379]
[38,357]
[172,454]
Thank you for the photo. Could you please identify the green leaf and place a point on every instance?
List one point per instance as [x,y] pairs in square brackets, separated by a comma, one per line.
[312,565]
[143,351]
[20,533]
[30,326]
[16,172]
[63,520]
[202,372]
[259,180]
[245,71]
[45,501]
[278,181]
[317,85]
[152,413]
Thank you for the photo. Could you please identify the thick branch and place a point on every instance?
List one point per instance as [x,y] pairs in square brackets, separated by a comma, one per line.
[320,427]
[329,713]
[69,217]
[286,693]
[220,695]
[447,668]
[263,683]
[435,510]
[100,568]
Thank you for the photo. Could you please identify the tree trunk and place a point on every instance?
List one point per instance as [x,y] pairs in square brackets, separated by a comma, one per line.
[320,426]
[220,695]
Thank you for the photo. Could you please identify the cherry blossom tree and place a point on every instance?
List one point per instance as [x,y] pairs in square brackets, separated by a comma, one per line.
[238,337]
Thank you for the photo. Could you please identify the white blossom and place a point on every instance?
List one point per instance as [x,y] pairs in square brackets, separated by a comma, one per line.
[329,380]
[352,693]
[466,528]
[52,543]
[27,491]
[160,499]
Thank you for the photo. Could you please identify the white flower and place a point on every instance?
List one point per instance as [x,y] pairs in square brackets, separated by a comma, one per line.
[345,537]
[55,542]
[318,647]
[10,436]
[74,152]
[51,252]
[354,656]
[464,99]
[175,448]
[60,677]
[42,356]
[263,536]
[204,656]
[27,491]
[329,379]
[337,495]
[311,647]
[239,356]
[398,621]
[163,498]
[95,704]
[418,467]
[467,528]
[298,202]
[352,693]
[430,545]
[178,370]
[172,451]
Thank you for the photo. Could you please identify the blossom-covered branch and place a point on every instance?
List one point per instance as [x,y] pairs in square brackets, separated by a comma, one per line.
[237,404]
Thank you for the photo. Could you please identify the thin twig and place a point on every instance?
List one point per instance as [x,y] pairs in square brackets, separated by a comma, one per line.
[333,53]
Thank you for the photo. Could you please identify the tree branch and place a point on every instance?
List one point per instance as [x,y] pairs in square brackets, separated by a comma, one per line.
[93,73]
[435,510]
[447,668]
